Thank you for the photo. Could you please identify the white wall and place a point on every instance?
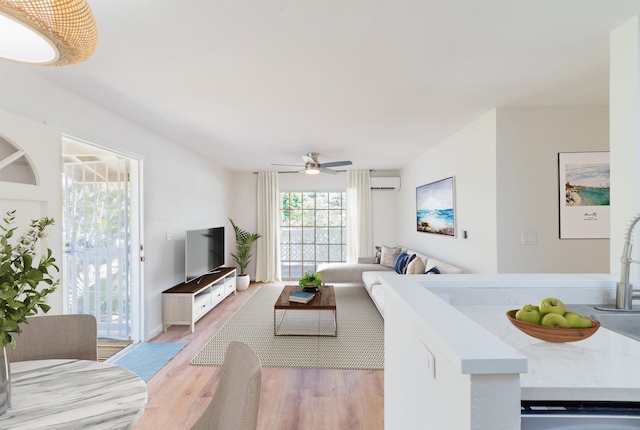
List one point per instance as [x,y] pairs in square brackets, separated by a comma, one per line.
[528,143]
[625,137]
[506,179]
[469,156]
[244,212]
[384,210]
[182,190]
[42,199]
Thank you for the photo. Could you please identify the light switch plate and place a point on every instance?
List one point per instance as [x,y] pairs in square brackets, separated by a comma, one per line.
[529,238]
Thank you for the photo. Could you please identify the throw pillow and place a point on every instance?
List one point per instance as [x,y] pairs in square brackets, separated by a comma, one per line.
[416,267]
[401,262]
[406,264]
[378,254]
[388,256]
[433,271]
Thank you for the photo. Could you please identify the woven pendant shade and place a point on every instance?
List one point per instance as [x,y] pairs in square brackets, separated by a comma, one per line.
[68,25]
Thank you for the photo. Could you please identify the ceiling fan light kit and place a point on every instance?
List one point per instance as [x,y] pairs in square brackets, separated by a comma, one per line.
[47,32]
[311,170]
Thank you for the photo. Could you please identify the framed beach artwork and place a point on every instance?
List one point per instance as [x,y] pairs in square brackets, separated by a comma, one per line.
[435,207]
[583,180]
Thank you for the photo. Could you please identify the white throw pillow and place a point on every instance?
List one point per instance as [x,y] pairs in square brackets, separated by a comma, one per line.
[389,256]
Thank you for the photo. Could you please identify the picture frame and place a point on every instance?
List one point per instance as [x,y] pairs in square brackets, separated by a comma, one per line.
[435,207]
[584,195]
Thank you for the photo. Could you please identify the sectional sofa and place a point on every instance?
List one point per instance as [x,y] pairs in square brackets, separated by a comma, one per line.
[367,271]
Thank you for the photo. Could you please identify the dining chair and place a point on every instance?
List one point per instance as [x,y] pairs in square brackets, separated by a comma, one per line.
[235,404]
[44,337]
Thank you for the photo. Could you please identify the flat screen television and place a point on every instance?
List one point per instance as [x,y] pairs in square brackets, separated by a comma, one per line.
[204,252]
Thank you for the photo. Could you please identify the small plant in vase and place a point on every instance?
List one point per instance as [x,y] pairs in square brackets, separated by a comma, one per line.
[242,256]
[20,295]
[310,281]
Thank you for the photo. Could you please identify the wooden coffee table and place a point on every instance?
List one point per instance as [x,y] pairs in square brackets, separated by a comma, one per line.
[325,300]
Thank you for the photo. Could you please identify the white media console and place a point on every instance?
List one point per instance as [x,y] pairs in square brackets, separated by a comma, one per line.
[186,303]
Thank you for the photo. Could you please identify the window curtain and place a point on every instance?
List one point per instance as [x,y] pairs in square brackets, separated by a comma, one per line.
[268,246]
[359,240]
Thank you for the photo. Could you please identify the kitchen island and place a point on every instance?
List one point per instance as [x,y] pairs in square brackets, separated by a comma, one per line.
[452,359]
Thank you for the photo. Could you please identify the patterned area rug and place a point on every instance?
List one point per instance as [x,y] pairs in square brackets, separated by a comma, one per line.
[359,344]
[108,347]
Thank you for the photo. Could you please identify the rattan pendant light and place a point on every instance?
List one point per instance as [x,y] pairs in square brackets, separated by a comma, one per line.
[47,32]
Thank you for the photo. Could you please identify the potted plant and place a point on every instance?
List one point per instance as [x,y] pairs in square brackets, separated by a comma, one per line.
[310,281]
[242,256]
[20,277]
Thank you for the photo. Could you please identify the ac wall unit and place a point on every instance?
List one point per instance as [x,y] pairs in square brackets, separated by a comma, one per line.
[385,183]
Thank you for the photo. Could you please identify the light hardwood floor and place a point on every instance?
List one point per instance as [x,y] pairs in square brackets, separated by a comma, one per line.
[292,399]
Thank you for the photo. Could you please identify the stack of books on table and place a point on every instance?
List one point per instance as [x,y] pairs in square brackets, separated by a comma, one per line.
[301,297]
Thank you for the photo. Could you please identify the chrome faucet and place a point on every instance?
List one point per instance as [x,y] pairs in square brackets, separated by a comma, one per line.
[624,290]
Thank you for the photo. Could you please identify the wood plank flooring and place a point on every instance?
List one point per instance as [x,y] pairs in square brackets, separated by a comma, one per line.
[292,399]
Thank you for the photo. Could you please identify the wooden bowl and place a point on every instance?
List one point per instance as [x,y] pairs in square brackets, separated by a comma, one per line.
[552,334]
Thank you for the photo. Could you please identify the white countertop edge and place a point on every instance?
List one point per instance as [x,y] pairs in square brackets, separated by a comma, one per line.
[475,349]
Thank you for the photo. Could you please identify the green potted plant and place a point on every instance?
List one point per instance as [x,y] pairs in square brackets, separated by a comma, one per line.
[20,295]
[310,281]
[242,256]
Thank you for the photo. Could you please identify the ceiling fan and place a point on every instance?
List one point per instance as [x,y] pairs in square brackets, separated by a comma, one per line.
[312,166]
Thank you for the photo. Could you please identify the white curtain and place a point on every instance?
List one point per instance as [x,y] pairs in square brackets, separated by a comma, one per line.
[268,246]
[359,241]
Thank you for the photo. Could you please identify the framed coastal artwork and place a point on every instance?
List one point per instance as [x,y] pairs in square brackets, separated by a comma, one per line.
[583,181]
[435,208]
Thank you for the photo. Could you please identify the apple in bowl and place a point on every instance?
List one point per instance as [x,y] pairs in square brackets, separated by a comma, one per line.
[552,305]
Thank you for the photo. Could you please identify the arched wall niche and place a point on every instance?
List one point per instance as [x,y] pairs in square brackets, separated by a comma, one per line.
[15,165]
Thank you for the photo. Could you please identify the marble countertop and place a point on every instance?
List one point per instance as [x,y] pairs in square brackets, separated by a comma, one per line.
[73,394]
[605,366]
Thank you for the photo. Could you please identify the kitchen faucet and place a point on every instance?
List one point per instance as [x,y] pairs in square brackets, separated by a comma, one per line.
[624,290]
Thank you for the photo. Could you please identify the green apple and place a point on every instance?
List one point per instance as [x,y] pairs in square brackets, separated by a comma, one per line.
[554,320]
[577,321]
[551,304]
[530,315]
[537,308]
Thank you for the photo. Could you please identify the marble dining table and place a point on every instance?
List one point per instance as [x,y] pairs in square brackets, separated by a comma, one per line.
[73,394]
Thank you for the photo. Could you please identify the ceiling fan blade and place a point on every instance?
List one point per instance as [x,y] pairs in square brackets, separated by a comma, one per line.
[329,171]
[290,165]
[337,163]
[308,159]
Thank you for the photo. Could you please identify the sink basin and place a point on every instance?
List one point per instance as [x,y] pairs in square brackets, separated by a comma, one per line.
[625,323]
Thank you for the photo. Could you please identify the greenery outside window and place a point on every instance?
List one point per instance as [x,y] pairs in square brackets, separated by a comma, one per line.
[312,230]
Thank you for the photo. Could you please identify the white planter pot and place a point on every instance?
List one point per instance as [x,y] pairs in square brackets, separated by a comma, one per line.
[242,282]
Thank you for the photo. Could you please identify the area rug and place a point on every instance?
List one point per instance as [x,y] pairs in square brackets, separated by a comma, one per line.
[359,344]
[147,359]
[109,347]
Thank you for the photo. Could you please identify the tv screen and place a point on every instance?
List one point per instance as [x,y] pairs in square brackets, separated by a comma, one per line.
[204,251]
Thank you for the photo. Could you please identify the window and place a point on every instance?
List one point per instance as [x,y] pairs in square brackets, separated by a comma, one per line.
[312,230]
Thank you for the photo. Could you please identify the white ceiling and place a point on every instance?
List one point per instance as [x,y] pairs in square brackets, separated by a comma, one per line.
[250,83]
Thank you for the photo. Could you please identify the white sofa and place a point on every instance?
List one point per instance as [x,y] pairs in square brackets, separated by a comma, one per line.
[367,272]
